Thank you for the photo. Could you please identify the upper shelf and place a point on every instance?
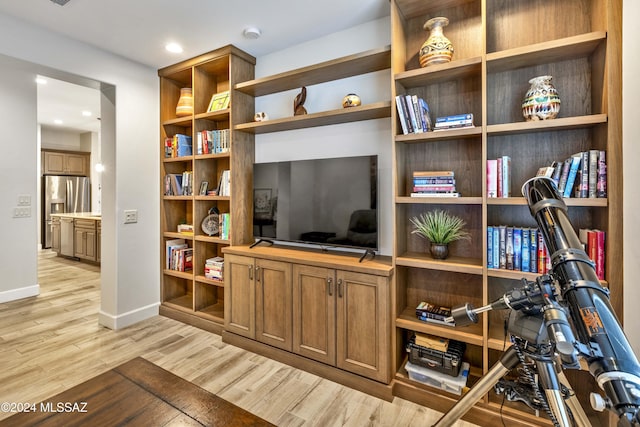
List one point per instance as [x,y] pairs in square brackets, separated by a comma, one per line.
[376,110]
[347,66]
[453,70]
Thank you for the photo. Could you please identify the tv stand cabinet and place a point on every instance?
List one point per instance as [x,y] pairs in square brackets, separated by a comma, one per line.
[326,313]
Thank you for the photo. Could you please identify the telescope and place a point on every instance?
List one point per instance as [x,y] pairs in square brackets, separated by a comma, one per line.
[562,320]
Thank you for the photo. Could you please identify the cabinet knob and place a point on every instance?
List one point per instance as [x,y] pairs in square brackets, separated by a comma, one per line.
[251,272]
[257,274]
[330,286]
[339,288]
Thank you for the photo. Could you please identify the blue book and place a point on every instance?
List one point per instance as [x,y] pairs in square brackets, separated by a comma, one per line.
[517,248]
[489,247]
[526,255]
[533,250]
[496,247]
[571,178]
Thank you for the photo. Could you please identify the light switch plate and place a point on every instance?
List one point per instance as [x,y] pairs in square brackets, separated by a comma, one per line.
[130,216]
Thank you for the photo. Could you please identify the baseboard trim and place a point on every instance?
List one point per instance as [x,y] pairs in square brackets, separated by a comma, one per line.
[20,293]
[129,318]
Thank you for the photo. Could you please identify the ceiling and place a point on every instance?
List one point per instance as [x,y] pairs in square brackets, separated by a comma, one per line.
[140,29]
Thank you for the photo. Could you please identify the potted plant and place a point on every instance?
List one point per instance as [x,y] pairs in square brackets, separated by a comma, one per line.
[440,228]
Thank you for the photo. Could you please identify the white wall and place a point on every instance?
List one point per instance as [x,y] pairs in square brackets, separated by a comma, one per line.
[352,139]
[58,139]
[130,261]
[631,171]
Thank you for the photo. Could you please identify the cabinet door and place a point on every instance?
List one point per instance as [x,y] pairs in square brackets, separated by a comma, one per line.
[273,303]
[55,236]
[53,163]
[239,295]
[362,307]
[79,243]
[90,242]
[76,164]
[314,314]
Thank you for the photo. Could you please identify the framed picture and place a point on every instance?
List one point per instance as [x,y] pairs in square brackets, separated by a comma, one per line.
[204,185]
[262,202]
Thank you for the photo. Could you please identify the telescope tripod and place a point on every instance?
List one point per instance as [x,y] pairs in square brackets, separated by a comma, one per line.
[559,402]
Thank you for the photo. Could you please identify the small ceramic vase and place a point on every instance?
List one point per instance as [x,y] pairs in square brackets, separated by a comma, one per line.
[351,100]
[437,49]
[439,251]
[185,103]
[541,101]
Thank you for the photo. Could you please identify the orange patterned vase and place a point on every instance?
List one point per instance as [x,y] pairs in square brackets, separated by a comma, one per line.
[437,49]
[185,103]
[541,101]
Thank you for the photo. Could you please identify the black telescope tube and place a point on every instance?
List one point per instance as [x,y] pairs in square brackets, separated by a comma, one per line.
[612,361]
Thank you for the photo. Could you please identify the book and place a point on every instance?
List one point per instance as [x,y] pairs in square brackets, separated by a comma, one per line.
[509,251]
[459,120]
[432,342]
[435,194]
[499,176]
[417,109]
[517,248]
[439,180]
[584,175]
[426,115]
[573,172]
[502,262]
[490,247]
[433,173]
[566,166]
[593,174]
[557,171]
[526,254]
[600,255]
[401,115]
[219,101]
[601,185]
[533,250]
[492,178]
[542,256]
[496,247]
[426,310]
[412,115]
[506,176]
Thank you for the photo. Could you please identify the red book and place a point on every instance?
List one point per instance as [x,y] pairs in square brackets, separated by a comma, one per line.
[542,255]
[492,178]
[600,236]
[592,245]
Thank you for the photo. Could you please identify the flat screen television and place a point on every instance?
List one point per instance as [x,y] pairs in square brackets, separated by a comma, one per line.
[330,202]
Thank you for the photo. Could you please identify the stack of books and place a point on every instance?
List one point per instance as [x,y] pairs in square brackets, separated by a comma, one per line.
[179,256]
[178,184]
[434,184]
[213,141]
[432,313]
[593,242]
[583,175]
[213,268]
[454,122]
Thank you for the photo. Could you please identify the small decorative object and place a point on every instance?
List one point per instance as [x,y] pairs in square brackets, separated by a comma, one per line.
[260,116]
[437,49]
[440,228]
[298,109]
[211,223]
[541,101]
[351,100]
[185,102]
[203,188]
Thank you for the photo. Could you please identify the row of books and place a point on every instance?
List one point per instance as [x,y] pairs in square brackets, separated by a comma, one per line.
[179,256]
[213,141]
[224,184]
[454,122]
[499,177]
[214,268]
[414,114]
[178,145]
[583,175]
[594,245]
[516,248]
[224,226]
[433,184]
[178,184]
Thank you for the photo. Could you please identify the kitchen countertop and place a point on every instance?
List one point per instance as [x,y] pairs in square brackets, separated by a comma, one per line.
[81,215]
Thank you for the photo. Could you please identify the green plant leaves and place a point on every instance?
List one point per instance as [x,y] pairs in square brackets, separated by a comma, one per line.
[440,227]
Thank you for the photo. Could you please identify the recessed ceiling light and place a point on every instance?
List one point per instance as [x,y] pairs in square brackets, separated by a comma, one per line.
[174,48]
[252,33]
[86,113]
[41,80]
[58,121]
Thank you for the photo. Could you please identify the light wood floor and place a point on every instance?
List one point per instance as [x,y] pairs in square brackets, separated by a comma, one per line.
[52,342]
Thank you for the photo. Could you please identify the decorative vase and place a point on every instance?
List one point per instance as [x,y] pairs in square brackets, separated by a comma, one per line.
[185,103]
[351,100]
[439,251]
[437,49]
[541,101]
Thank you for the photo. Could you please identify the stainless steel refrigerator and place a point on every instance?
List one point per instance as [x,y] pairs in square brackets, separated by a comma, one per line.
[63,194]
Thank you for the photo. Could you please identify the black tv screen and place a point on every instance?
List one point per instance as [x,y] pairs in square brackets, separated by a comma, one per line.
[330,202]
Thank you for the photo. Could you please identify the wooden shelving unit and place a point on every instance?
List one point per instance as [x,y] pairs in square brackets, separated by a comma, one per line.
[189,296]
[494,58]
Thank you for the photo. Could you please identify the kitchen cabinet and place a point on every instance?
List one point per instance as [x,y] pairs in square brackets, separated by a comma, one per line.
[84,242]
[55,234]
[65,163]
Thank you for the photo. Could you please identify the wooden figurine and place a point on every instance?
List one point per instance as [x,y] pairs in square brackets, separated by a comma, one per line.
[298,101]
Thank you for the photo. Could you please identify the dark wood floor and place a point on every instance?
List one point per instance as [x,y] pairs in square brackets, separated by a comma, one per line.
[136,393]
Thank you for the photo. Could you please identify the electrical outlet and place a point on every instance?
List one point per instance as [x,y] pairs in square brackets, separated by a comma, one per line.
[24,200]
[22,212]
[130,216]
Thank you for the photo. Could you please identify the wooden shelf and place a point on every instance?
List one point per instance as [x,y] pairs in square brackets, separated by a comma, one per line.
[563,123]
[214,312]
[212,198]
[176,235]
[460,69]
[212,156]
[540,53]
[214,115]
[177,159]
[453,264]
[347,66]
[435,136]
[212,282]
[184,302]
[417,8]
[188,275]
[179,121]
[470,334]
[343,115]
[571,201]
[212,239]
